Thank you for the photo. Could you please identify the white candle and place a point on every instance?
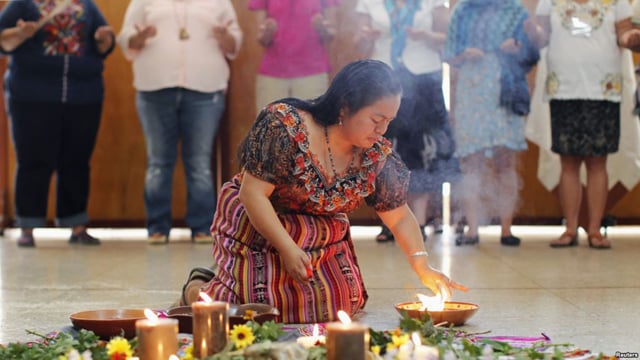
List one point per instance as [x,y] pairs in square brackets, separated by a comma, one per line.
[210,327]
[346,339]
[446,205]
[314,340]
[157,338]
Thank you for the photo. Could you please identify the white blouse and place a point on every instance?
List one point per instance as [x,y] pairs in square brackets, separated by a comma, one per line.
[417,56]
[583,58]
[196,63]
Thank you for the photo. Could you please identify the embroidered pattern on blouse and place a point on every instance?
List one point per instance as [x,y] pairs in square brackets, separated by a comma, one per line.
[591,12]
[552,83]
[612,85]
[64,31]
[346,192]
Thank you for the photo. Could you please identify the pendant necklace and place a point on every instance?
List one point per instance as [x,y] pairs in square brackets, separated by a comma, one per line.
[331,161]
[183,34]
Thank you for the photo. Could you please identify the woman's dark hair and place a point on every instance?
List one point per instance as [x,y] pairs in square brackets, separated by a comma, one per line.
[357,85]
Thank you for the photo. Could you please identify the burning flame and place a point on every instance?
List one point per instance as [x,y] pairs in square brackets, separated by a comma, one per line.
[206,298]
[415,337]
[344,317]
[433,303]
[174,357]
[151,315]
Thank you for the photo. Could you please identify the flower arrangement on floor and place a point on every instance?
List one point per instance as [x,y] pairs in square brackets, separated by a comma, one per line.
[259,341]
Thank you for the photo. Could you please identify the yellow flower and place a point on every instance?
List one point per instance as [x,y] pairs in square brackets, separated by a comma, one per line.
[188,353]
[119,345]
[375,349]
[249,314]
[397,341]
[242,336]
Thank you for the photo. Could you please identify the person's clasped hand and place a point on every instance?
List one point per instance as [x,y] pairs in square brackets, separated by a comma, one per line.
[323,26]
[266,31]
[142,34]
[26,28]
[104,36]
[473,54]
[510,46]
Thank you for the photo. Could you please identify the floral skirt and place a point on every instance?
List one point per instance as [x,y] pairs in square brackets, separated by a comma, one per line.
[249,270]
[584,127]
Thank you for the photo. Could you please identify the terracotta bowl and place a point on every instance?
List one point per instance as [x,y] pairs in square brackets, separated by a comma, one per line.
[108,323]
[262,313]
[456,313]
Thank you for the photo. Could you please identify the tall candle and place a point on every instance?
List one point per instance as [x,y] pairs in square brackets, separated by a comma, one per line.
[346,339]
[157,338]
[210,327]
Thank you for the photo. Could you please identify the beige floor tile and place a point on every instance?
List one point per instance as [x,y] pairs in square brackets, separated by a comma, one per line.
[575,295]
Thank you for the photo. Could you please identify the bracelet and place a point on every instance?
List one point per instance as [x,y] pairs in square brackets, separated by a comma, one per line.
[419,253]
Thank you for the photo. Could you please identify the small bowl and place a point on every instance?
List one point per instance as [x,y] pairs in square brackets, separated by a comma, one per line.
[108,323]
[456,313]
[261,313]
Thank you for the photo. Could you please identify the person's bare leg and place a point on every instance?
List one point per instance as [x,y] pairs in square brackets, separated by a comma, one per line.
[597,190]
[469,190]
[507,188]
[570,192]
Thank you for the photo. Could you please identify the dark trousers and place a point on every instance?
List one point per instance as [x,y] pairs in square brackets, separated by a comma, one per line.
[52,138]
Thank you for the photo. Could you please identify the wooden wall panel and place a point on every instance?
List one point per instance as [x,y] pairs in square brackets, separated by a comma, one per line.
[118,164]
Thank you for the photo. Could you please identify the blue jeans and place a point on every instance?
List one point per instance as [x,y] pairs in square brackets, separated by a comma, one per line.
[168,116]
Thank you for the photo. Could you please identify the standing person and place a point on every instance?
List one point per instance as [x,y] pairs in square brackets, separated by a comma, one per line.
[487,44]
[583,84]
[54,92]
[179,50]
[295,36]
[281,232]
[408,35]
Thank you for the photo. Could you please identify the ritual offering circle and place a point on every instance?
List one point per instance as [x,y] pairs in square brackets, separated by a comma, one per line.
[454,312]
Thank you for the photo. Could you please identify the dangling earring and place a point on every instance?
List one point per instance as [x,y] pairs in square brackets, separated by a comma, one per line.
[340,122]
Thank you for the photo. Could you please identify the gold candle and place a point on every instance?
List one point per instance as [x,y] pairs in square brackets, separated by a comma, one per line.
[210,327]
[157,338]
[346,339]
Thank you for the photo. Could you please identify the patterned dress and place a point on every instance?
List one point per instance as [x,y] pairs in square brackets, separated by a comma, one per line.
[312,210]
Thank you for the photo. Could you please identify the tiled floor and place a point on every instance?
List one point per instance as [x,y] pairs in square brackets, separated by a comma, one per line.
[578,295]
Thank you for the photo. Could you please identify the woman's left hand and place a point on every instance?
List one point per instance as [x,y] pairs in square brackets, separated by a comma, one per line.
[510,46]
[104,38]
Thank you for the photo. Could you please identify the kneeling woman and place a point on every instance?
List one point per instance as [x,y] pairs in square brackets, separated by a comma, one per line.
[281,233]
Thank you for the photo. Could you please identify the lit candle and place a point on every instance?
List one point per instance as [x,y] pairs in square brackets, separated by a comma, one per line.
[314,340]
[157,338]
[422,352]
[346,339]
[210,326]
[446,205]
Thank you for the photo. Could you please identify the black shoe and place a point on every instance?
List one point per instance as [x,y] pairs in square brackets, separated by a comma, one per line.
[385,235]
[462,239]
[510,240]
[199,273]
[83,238]
[26,241]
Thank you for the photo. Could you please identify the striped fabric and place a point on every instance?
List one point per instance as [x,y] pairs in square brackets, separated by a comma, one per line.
[251,271]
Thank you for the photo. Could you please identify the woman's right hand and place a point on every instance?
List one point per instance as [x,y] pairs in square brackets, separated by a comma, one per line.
[266,31]
[473,54]
[138,40]
[297,263]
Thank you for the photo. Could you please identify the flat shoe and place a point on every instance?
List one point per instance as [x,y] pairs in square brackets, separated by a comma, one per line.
[158,239]
[385,235]
[198,273]
[462,239]
[26,241]
[510,240]
[562,240]
[202,238]
[83,238]
[602,243]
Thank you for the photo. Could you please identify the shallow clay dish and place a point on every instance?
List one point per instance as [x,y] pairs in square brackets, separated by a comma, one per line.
[261,313]
[456,313]
[108,323]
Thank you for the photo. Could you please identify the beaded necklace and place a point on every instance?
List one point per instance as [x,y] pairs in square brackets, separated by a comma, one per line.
[331,161]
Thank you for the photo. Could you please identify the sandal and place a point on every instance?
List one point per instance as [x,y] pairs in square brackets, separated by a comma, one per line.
[199,273]
[463,239]
[385,235]
[567,239]
[597,241]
